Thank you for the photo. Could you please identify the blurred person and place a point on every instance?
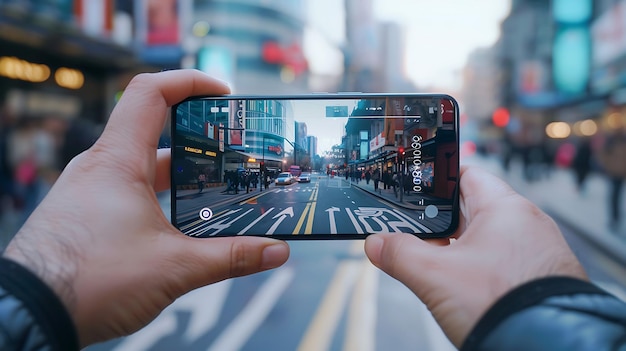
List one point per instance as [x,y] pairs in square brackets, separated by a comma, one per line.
[376,177]
[201,181]
[30,152]
[79,135]
[7,187]
[69,283]
[612,158]
[581,164]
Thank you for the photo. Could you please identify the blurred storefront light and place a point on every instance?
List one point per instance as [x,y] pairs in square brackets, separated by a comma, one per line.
[69,78]
[14,68]
[587,127]
[287,74]
[201,29]
[558,130]
[615,120]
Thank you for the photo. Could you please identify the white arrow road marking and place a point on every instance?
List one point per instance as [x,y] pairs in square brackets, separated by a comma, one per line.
[424,228]
[255,221]
[281,217]
[204,304]
[248,321]
[354,222]
[331,217]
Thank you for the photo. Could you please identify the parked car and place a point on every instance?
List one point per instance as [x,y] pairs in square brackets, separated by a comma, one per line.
[304,178]
[285,178]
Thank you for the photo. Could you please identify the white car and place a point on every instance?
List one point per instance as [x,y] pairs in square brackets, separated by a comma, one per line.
[285,178]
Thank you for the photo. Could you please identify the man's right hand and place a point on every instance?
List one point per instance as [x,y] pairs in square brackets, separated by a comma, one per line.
[503,241]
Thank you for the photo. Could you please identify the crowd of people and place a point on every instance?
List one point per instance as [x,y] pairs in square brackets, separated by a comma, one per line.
[34,149]
[603,153]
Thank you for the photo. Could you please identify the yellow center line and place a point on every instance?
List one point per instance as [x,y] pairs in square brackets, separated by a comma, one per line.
[310,210]
[309,223]
[296,230]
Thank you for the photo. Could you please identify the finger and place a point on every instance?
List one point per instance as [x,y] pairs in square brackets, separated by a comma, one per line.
[438,241]
[480,190]
[206,261]
[162,180]
[399,254]
[138,118]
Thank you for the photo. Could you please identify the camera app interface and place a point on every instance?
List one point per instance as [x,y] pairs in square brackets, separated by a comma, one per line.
[315,167]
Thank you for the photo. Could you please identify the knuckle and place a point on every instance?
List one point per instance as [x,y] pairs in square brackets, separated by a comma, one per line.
[241,262]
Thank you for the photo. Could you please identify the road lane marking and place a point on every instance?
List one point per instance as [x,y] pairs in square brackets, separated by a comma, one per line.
[331,218]
[423,227]
[219,225]
[309,223]
[361,326]
[281,217]
[354,222]
[296,230]
[320,332]
[204,314]
[239,331]
[255,221]
[215,215]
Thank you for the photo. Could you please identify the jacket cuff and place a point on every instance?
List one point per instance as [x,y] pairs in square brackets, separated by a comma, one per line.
[41,303]
[522,297]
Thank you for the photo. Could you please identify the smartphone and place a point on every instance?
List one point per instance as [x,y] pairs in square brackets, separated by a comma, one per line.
[318,166]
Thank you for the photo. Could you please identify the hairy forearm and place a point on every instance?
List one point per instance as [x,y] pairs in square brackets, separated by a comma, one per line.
[50,256]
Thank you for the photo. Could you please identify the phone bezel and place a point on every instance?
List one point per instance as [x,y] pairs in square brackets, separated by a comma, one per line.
[324,96]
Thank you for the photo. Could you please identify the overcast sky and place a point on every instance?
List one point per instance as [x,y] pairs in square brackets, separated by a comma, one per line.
[450,28]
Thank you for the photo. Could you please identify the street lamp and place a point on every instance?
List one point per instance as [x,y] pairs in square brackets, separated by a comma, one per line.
[262,166]
[295,150]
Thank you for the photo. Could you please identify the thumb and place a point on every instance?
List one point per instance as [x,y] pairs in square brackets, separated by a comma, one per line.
[402,256]
[200,262]
[480,190]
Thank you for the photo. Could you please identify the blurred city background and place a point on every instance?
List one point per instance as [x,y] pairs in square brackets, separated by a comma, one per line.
[542,92]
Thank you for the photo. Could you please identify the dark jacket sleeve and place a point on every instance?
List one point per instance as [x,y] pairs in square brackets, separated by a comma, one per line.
[555,313]
[32,318]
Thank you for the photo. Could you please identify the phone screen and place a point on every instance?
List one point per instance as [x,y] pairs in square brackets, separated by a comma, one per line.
[315,166]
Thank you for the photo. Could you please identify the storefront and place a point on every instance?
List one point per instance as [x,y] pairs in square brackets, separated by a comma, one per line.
[52,68]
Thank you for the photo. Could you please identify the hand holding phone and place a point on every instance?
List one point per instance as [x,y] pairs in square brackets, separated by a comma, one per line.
[315,166]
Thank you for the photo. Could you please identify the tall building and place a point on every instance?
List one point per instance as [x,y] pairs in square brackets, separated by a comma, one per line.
[481,84]
[312,145]
[362,53]
[254,45]
[392,70]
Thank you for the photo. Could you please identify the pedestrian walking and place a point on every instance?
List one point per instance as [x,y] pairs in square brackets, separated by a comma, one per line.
[611,156]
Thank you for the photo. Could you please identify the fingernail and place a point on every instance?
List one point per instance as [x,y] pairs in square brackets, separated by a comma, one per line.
[274,256]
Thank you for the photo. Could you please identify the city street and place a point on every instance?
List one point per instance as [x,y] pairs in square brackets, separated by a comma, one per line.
[326,205]
[326,297]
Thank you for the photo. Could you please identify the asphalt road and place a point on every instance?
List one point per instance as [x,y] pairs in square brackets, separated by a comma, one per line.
[326,297]
[326,205]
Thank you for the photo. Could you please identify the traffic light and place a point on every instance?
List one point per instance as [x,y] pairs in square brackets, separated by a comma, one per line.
[500,117]
[400,154]
[262,166]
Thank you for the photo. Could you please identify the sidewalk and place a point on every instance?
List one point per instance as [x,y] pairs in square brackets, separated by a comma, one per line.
[409,201]
[586,212]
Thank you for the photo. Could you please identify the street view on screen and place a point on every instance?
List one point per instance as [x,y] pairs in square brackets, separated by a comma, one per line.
[320,167]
